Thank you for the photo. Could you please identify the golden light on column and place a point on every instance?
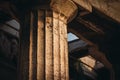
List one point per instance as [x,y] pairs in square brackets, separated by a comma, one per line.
[41,46]
[66,51]
[56,46]
[49,45]
[47,48]
[62,47]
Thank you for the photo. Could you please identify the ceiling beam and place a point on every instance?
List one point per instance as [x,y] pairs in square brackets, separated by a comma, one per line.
[75,45]
[83,13]
[109,8]
[90,25]
[80,36]
[94,52]
[84,4]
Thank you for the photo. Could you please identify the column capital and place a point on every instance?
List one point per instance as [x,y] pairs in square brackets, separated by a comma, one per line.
[64,7]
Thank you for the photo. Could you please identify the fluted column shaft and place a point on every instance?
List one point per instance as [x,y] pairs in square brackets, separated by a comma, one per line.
[53,47]
[43,45]
[47,51]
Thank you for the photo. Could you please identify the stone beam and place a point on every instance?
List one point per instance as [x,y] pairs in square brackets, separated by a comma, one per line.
[84,4]
[78,44]
[110,8]
[100,56]
[94,51]
[80,36]
[90,25]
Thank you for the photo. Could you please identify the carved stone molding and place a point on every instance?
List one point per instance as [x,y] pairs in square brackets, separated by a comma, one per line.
[65,7]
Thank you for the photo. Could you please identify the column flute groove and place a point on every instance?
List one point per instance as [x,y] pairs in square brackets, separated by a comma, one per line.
[44,48]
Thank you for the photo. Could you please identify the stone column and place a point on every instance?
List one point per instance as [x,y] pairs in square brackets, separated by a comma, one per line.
[45,56]
[51,46]
[52,54]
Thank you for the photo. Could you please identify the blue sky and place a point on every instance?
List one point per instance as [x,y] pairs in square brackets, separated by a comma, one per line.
[71,37]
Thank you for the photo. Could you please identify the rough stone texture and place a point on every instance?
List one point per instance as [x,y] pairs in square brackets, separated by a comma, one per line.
[41,49]
[110,8]
[51,59]
[84,4]
[65,7]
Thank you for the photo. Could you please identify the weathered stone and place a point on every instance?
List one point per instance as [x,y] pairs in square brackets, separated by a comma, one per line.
[65,7]
[51,59]
[84,4]
[108,7]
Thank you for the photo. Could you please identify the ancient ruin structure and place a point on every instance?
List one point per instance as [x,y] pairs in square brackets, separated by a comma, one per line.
[34,43]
